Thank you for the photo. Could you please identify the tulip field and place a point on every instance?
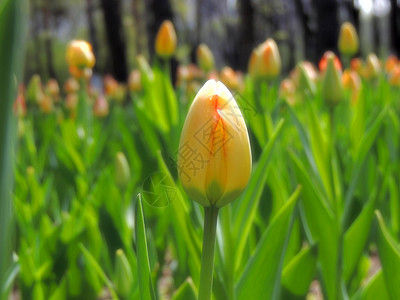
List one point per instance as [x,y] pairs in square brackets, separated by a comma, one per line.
[218,185]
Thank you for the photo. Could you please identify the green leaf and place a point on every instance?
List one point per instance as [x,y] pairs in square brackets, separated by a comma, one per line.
[10,276]
[187,291]
[322,225]
[389,254]
[356,237]
[145,282]
[245,208]
[13,20]
[92,263]
[257,282]
[300,271]
[373,290]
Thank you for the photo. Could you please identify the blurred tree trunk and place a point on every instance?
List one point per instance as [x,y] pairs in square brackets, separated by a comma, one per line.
[34,32]
[245,41]
[115,37]
[140,29]
[92,27]
[327,26]
[46,14]
[307,30]
[157,11]
[395,26]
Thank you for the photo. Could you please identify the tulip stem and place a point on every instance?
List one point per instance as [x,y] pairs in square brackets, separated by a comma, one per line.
[207,257]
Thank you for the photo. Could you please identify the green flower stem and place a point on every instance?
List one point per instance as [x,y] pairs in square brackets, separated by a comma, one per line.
[207,257]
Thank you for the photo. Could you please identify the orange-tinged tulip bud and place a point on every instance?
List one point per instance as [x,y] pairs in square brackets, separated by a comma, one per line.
[46,104]
[78,73]
[394,76]
[214,157]
[53,89]
[332,87]
[267,61]
[205,58]
[110,85]
[348,39]
[391,62]
[71,86]
[100,107]
[229,78]
[166,40]
[80,54]
[71,101]
[323,63]
[357,65]
[287,91]
[134,81]
[351,80]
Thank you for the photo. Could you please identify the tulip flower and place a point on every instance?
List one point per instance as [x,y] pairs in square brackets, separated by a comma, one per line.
[53,89]
[394,76]
[134,81]
[215,131]
[373,67]
[214,163]
[80,54]
[332,87]
[71,85]
[122,170]
[166,40]
[357,65]
[19,106]
[205,57]
[229,77]
[323,63]
[391,62]
[100,108]
[265,61]
[348,39]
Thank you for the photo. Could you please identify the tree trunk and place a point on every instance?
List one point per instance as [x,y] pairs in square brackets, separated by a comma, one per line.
[245,42]
[157,11]
[46,14]
[115,37]
[327,26]
[308,32]
[395,27]
[92,28]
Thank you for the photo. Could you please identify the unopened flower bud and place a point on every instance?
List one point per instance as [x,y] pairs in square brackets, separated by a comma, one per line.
[134,81]
[100,107]
[122,170]
[123,274]
[348,39]
[80,54]
[205,57]
[332,87]
[225,155]
[166,40]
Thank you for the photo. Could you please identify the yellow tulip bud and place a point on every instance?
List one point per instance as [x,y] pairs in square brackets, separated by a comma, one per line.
[166,40]
[332,87]
[122,170]
[214,157]
[348,39]
[80,54]
[205,57]
[373,67]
